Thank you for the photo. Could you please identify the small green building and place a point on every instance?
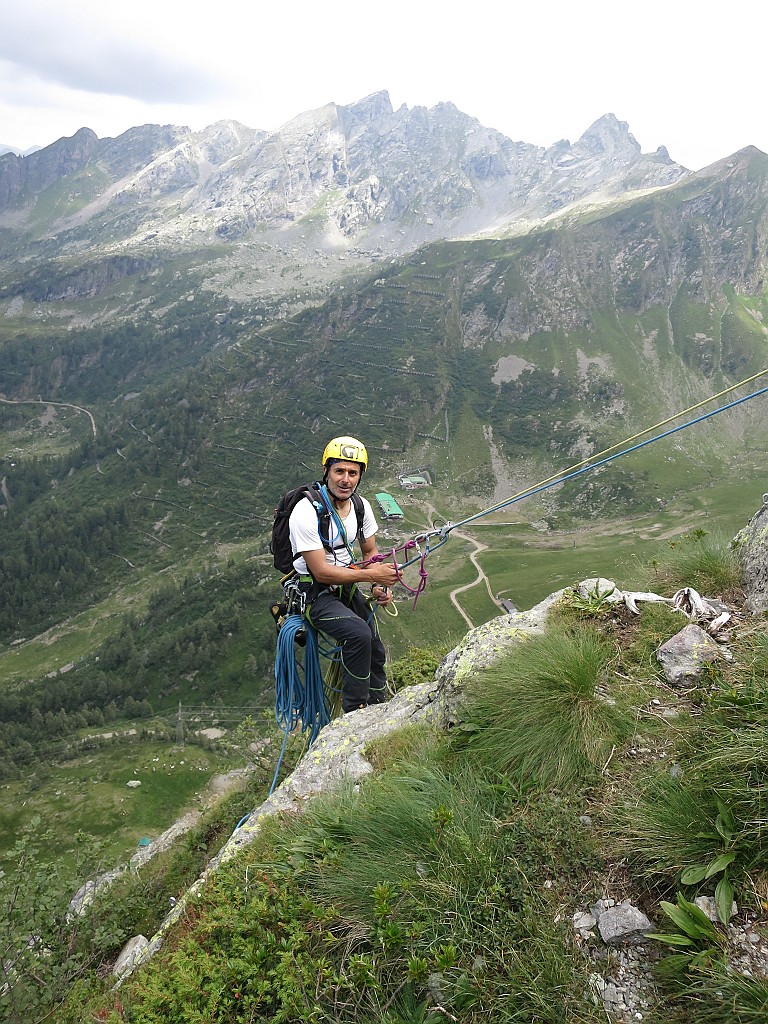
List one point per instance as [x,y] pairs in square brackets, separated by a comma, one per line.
[388,506]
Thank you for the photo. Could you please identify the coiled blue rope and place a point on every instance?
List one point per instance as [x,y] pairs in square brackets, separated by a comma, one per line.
[299,694]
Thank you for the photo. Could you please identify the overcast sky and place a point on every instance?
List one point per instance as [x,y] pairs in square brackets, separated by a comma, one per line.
[679,73]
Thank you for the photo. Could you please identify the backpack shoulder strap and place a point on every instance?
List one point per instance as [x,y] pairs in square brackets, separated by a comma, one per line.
[315,494]
[359,507]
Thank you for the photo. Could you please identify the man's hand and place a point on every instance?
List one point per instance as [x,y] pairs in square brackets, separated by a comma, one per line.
[382,595]
[382,574]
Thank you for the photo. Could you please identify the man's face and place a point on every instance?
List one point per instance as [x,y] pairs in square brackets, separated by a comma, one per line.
[343,478]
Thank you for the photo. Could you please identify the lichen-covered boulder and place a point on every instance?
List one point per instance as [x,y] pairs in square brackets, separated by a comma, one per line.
[684,655]
[751,543]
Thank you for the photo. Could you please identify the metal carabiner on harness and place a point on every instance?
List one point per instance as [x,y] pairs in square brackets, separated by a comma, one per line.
[293,604]
[295,597]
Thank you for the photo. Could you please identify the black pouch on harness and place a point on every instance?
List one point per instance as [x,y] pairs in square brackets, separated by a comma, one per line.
[280,613]
[280,544]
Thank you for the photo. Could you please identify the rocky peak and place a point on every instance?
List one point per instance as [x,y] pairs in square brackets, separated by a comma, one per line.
[608,142]
[224,139]
[608,137]
[33,173]
[607,158]
[364,165]
[65,155]
[138,147]
[369,110]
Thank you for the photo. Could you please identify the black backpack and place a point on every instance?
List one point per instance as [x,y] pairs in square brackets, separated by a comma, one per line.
[280,544]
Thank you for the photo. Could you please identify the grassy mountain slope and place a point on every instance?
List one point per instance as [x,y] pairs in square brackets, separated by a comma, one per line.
[457,879]
[496,361]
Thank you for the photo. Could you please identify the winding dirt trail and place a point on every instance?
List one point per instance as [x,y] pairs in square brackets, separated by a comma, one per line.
[481,576]
[43,401]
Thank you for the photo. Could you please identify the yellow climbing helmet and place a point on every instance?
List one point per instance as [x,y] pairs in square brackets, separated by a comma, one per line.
[347,449]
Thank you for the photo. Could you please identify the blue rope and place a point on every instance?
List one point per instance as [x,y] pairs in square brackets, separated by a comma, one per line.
[617,455]
[299,695]
[444,532]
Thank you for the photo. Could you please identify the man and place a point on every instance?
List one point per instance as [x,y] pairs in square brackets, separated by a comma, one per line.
[336,605]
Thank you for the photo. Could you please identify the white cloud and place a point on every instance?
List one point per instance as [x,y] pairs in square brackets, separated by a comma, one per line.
[537,73]
[61,47]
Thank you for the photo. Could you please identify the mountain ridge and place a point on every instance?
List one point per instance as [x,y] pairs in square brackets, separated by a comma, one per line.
[431,171]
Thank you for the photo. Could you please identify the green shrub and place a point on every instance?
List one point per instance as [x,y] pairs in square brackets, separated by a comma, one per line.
[417,666]
[43,948]
[244,952]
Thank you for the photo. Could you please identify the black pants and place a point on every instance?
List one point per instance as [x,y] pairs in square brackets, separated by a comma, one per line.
[355,630]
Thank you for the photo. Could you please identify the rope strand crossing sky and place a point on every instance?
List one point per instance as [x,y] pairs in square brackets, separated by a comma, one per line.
[586,466]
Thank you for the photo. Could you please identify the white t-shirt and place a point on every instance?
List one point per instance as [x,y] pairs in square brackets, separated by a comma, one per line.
[305,535]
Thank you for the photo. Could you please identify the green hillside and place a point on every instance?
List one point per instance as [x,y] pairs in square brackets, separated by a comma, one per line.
[455,881]
[150,420]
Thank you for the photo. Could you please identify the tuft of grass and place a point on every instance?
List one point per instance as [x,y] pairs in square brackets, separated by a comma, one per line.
[742,697]
[420,879]
[705,561]
[718,995]
[725,752]
[706,828]
[733,763]
[671,826]
[545,711]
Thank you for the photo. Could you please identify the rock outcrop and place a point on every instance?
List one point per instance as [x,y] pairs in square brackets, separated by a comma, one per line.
[685,655]
[752,546]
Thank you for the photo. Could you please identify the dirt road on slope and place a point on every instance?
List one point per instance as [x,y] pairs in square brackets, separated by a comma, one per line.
[480,578]
[477,548]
